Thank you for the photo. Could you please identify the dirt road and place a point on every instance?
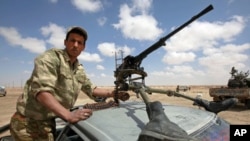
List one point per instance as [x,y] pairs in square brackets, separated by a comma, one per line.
[238,114]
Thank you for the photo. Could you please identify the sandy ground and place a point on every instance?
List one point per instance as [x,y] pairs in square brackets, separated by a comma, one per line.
[238,114]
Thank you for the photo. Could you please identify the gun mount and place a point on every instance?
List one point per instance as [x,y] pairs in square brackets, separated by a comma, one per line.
[130,65]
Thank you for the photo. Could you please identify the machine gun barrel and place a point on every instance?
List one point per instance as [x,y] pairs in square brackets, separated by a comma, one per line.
[144,90]
[161,42]
[169,93]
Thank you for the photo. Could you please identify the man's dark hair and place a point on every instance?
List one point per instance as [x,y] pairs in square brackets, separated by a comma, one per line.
[77,30]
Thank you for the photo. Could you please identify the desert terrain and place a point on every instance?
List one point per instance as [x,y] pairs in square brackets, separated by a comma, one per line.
[238,114]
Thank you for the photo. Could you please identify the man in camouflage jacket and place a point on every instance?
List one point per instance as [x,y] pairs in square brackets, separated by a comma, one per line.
[52,90]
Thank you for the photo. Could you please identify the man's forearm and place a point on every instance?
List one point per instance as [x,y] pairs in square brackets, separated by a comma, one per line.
[49,101]
[100,92]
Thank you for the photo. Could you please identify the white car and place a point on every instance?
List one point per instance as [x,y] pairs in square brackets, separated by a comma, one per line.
[3,91]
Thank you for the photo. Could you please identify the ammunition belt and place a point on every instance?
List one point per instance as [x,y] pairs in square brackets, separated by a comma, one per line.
[100,105]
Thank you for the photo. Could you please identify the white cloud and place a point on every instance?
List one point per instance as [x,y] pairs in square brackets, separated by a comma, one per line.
[224,57]
[142,6]
[85,56]
[109,49]
[214,40]
[178,57]
[135,21]
[232,48]
[179,71]
[210,47]
[125,50]
[90,6]
[176,75]
[227,49]
[202,34]
[100,67]
[13,37]
[55,33]
[103,75]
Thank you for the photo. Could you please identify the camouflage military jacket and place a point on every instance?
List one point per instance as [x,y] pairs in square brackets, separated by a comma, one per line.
[53,73]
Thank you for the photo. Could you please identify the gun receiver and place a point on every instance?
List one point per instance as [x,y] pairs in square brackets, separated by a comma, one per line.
[131,64]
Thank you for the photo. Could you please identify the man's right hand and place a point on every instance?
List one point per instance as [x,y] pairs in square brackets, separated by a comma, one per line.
[79,114]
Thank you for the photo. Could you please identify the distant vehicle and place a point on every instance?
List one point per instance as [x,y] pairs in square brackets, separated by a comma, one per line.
[3,91]
[125,122]
[182,88]
[238,87]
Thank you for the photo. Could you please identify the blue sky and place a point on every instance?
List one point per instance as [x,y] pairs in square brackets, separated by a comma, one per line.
[203,53]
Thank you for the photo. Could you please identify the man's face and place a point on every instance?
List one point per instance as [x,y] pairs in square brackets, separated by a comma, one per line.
[74,45]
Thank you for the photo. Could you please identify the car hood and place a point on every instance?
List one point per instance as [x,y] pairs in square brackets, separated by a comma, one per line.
[126,121]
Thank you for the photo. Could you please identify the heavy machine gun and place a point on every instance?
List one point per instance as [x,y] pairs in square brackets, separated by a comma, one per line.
[130,70]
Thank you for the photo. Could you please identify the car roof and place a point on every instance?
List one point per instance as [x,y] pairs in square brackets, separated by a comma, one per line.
[126,121]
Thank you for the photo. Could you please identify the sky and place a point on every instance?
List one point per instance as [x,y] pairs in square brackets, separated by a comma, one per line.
[202,53]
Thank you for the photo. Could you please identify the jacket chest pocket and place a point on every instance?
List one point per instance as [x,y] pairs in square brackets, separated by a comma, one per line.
[79,82]
[65,80]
